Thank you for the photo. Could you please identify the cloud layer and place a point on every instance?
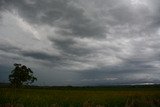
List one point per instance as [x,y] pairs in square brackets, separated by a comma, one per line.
[82,42]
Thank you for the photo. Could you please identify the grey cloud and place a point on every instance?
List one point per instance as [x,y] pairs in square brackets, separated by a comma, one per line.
[2,3]
[9,48]
[155,15]
[124,74]
[41,55]
[53,13]
[67,47]
[32,54]
[125,14]
[122,15]
[129,54]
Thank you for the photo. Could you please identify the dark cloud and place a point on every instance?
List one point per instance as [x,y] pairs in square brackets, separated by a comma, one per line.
[9,48]
[67,47]
[40,55]
[127,73]
[84,42]
[4,72]
[59,13]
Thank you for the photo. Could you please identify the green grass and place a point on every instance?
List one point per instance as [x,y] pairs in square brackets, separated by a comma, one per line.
[82,97]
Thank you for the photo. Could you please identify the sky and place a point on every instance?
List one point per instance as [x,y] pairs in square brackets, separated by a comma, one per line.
[82,42]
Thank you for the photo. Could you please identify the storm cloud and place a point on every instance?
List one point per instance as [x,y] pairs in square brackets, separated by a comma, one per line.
[82,42]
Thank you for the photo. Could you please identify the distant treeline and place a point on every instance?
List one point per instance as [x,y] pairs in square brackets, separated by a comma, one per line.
[114,87]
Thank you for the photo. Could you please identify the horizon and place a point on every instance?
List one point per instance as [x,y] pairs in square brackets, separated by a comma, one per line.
[81,42]
[107,85]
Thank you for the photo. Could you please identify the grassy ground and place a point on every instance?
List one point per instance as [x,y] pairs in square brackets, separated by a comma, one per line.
[81,97]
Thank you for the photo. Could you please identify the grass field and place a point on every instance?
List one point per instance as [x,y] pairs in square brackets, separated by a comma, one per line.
[81,97]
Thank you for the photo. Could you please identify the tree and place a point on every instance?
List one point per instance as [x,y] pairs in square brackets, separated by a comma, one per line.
[21,75]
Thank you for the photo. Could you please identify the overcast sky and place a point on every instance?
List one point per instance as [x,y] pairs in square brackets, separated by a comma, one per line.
[82,42]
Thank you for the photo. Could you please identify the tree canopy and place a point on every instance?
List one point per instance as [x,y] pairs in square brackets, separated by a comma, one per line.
[21,75]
